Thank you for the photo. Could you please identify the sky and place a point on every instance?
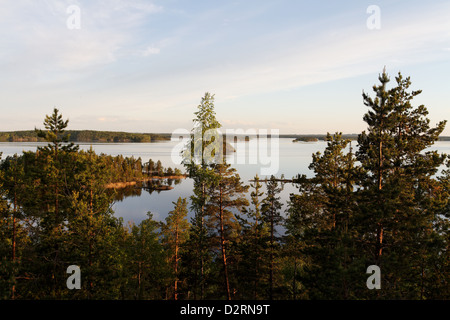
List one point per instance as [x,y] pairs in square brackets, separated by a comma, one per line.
[143,66]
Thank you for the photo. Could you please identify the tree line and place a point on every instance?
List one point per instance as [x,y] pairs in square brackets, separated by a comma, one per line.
[386,203]
[86,136]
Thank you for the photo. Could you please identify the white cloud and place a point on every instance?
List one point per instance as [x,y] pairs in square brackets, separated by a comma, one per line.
[37,42]
[150,51]
[268,64]
[352,51]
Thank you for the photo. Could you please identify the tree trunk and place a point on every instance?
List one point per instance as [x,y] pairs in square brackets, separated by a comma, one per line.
[379,241]
[175,295]
[255,294]
[294,291]
[271,257]
[222,244]
[379,244]
[13,289]
[202,286]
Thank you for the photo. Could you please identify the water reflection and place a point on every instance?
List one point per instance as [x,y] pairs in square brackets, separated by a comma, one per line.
[151,186]
[132,204]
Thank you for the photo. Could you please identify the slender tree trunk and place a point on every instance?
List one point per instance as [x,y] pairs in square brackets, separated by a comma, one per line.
[13,289]
[271,260]
[255,294]
[90,237]
[379,244]
[139,281]
[379,240]
[294,290]
[56,226]
[380,164]
[202,285]
[176,264]
[56,185]
[56,202]
[222,244]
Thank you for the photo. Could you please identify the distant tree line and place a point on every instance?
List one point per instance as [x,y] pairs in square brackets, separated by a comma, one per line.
[385,205]
[86,136]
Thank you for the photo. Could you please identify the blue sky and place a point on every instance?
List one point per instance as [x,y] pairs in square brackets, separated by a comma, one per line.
[143,66]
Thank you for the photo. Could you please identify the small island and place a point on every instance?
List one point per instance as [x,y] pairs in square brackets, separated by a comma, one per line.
[306,139]
[149,176]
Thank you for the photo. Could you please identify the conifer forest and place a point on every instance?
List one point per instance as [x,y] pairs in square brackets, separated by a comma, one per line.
[381,201]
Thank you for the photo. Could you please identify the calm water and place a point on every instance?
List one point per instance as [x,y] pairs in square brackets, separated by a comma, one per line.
[294,158]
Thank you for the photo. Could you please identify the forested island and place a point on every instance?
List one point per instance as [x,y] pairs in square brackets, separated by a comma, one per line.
[306,139]
[86,136]
[383,205]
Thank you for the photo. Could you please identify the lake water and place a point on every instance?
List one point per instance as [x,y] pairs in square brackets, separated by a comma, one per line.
[290,159]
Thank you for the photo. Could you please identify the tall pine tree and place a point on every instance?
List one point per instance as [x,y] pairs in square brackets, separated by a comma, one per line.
[398,187]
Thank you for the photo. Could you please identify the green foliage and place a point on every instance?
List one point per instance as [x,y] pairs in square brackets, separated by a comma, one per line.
[252,248]
[398,199]
[175,235]
[387,204]
[225,200]
[61,215]
[383,206]
[320,223]
[146,263]
[205,137]
[202,174]
[86,136]
[270,211]
[306,139]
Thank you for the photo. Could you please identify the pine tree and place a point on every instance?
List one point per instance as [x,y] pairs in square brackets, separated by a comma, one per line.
[398,185]
[226,199]
[200,171]
[320,222]
[146,261]
[271,207]
[252,247]
[198,258]
[175,233]
[90,224]
[12,186]
[51,171]
[55,126]
[7,238]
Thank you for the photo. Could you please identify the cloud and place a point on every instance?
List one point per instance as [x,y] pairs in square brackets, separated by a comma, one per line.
[286,58]
[115,61]
[350,50]
[37,42]
[150,51]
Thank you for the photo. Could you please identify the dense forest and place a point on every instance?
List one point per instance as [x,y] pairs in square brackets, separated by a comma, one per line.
[385,204]
[306,139]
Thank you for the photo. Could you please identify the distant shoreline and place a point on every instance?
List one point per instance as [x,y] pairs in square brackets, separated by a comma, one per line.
[87,136]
